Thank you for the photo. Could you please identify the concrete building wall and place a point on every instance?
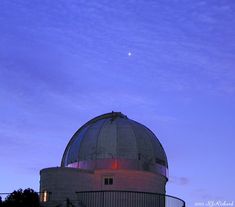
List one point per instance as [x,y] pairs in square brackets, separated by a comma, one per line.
[63,183]
[131,180]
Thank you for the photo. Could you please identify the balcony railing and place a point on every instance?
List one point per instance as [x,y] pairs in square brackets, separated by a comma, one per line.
[126,199]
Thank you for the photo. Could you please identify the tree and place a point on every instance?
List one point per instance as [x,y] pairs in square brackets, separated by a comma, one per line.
[22,198]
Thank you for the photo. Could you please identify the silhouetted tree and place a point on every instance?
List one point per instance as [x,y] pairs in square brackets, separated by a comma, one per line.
[20,198]
[0,201]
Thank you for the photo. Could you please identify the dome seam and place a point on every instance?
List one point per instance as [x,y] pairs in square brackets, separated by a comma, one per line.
[98,135]
[82,140]
[137,147]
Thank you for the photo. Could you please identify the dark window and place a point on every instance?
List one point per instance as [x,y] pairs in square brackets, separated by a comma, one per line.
[108,181]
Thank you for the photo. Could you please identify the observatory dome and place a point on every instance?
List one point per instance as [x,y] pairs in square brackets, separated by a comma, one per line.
[114,141]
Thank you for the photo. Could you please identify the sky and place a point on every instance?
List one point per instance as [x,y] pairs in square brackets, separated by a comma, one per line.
[168,64]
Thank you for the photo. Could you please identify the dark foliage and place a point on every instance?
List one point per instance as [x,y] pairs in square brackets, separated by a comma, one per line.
[22,198]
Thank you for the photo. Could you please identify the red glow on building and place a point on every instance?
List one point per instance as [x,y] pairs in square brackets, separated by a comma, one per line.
[115,165]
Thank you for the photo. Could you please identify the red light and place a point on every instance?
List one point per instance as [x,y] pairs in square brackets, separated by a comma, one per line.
[115,164]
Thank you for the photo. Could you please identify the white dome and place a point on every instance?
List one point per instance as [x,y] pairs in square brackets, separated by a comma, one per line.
[113,136]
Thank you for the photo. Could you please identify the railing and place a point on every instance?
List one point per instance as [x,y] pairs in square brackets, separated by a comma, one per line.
[126,199]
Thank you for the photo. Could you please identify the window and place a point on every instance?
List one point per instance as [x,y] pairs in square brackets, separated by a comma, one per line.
[44,197]
[108,181]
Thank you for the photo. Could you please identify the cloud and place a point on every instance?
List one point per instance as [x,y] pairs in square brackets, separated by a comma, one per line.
[179,180]
[66,45]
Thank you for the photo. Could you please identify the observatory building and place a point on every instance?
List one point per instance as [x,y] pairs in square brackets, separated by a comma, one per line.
[111,161]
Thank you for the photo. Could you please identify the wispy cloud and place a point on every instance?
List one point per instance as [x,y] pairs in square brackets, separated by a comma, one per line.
[179,180]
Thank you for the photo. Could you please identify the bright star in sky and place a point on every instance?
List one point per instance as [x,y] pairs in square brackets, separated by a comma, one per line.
[129,54]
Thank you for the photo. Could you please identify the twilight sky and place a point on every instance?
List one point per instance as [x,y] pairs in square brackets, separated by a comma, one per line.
[62,62]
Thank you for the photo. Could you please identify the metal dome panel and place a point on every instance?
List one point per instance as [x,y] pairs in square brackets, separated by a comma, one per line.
[113,136]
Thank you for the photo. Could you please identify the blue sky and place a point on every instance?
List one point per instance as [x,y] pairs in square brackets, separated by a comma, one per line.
[62,62]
